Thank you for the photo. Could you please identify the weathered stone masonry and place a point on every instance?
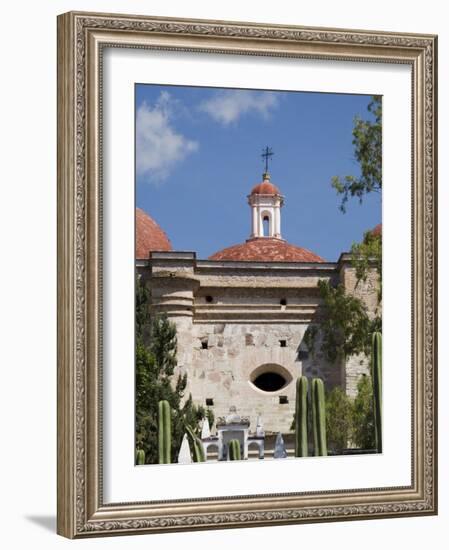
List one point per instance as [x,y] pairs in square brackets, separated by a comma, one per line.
[239,320]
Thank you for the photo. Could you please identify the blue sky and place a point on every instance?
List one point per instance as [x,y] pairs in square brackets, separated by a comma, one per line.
[198,154]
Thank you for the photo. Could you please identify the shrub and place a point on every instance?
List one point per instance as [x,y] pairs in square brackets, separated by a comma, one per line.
[363,435]
[339,419]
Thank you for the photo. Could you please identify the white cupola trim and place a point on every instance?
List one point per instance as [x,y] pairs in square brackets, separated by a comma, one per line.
[265,202]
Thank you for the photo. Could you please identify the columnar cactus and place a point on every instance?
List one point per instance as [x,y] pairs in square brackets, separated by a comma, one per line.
[234,450]
[376,369]
[301,440]
[319,418]
[140,457]
[197,446]
[164,432]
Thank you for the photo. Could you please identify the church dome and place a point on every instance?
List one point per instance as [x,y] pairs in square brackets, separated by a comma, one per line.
[377,231]
[265,188]
[264,249]
[149,236]
[265,243]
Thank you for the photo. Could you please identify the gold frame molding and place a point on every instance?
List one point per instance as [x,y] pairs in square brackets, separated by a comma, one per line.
[81,39]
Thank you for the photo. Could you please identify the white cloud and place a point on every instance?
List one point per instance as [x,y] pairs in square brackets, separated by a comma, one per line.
[159,146]
[228,106]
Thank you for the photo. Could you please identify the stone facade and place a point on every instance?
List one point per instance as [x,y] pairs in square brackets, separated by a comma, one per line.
[241,325]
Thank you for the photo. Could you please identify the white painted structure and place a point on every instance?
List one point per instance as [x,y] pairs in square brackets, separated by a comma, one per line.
[265,213]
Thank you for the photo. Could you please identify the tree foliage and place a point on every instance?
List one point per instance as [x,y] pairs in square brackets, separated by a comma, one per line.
[366,256]
[339,419]
[345,328]
[367,141]
[351,421]
[142,316]
[363,435]
[156,346]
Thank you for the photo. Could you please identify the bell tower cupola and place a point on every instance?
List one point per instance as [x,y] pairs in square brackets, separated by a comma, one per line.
[265,201]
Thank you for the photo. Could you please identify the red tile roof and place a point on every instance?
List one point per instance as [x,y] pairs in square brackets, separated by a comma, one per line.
[149,236]
[266,249]
[265,188]
[377,230]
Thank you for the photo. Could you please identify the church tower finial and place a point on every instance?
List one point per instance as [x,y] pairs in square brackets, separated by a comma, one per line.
[266,154]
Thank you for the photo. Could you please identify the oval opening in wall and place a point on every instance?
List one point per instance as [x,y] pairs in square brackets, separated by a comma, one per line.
[270,378]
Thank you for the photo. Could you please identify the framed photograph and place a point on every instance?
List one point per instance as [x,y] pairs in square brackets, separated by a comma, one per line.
[246,274]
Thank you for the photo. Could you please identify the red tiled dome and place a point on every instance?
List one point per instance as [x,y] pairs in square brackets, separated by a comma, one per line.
[266,249]
[149,236]
[376,231]
[265,188]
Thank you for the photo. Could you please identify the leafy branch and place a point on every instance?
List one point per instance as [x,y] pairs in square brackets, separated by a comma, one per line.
[366,256]
[346,327]
[367,141]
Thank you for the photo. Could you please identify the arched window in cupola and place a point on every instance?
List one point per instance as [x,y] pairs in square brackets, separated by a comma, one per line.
[266,225]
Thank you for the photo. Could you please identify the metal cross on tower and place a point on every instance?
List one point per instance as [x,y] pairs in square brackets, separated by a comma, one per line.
[266,154]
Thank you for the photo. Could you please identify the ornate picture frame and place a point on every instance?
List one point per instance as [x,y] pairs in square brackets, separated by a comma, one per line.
[82,40]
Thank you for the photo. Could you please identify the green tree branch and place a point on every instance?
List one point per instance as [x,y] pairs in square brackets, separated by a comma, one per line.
[367,141]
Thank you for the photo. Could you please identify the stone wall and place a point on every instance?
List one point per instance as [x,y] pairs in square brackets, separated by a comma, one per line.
[236,320]
[236,353]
